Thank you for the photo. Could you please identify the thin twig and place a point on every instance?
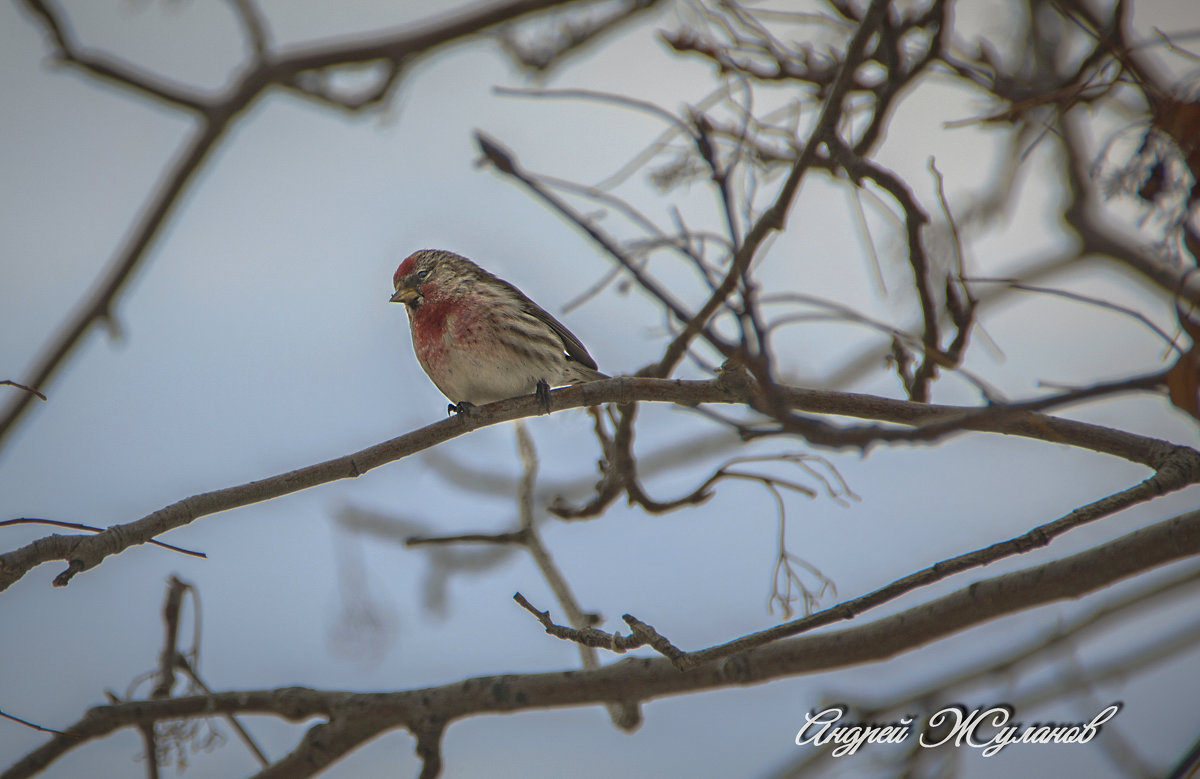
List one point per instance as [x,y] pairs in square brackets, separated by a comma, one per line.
[11,383]
[93,529]
[35,726]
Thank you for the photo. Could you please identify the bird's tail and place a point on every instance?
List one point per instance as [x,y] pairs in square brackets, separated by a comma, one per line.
[581,374]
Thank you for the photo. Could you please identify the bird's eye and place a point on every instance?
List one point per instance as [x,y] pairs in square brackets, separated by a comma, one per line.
[422,274]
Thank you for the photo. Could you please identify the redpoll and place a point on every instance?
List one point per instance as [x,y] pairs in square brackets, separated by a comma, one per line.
[479,338]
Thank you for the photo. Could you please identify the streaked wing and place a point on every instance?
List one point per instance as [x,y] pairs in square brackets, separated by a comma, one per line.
[571,345]
[575,350]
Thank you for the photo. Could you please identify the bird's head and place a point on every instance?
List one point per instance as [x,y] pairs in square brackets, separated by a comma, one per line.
[429,273]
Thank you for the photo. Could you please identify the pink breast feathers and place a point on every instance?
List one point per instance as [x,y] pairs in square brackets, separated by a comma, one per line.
[429,323]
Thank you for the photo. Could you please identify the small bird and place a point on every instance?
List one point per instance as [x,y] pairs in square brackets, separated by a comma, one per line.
[479,338]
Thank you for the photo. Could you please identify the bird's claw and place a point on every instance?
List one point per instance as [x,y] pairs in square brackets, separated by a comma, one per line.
[542,391]
[461,408]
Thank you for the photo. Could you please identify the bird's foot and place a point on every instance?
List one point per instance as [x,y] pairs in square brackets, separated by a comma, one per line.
[461,408]
[543,394]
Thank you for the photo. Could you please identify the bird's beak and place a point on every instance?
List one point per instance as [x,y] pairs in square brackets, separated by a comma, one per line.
[405,295]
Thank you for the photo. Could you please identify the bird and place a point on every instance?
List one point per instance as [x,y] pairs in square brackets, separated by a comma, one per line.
[479,338]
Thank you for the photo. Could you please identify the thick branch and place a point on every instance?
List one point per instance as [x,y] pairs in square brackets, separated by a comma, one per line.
[355,717]
[84,552]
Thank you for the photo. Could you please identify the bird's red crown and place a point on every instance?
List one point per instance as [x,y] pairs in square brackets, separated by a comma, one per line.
[404,269]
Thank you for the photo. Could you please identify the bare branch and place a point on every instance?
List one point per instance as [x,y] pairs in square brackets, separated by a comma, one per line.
[92,529]
[83,553]
[107,68]
[570,37]
[515,537]
[31,725]
[10,383]
[1038,537]
[353,718]
[254,25]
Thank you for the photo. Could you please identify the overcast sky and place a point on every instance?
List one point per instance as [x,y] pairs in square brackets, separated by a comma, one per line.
[257,339]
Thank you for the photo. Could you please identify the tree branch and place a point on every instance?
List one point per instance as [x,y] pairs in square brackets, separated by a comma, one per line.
[353,718]
[85,552]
